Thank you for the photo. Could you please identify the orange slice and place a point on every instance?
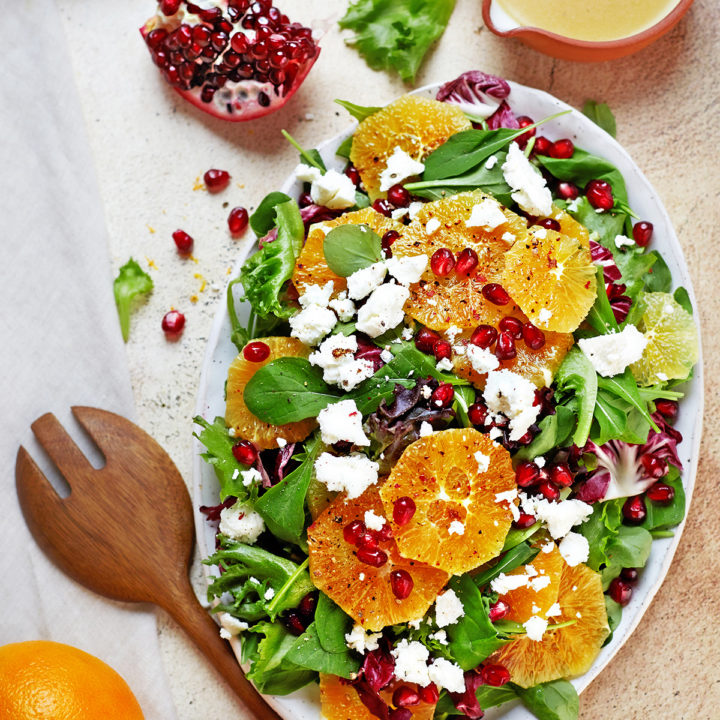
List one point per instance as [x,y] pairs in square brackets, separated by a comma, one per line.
[458,524]
[364,592]
[237,415]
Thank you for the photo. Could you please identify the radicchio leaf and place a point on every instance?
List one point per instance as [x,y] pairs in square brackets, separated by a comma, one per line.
[372,700]
[503,117]
[619,303]
[378,669]
[467,701]
[212,512]
[309,214]
[281,461]
[475,93]
[368,350]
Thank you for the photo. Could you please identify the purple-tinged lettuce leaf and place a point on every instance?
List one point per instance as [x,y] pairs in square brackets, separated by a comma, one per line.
[476,93]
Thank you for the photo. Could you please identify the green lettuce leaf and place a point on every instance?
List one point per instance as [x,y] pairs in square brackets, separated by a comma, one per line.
[220,456]
[601,115]
[131,282]
[556,700]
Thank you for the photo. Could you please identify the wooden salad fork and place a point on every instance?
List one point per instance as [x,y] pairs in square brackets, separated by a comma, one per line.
[126,530]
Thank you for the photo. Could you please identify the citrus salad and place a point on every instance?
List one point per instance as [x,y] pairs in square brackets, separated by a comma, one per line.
[448,442]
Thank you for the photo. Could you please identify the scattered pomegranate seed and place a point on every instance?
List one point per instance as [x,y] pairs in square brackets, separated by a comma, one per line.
[629,575]
[353,531]
[305,200]
[620,591]
[534,337]
[401,583]
[429,694]
[525,439]
[542,145]
[245,452]
[237,220]
[642,233]
[443,395]
[667,408]
[599,194]
[526,473]
[661,493]
[169,7]
[654,466]
[387,240]
[173,323]
[525,521]
[403,510]
[496,294]
[561,475]
[568,191]
[383,207]
[523,122]
[216,180]
[505,348]
[442,350]
[495,675]
[511,325]
[400,714]
[256,351]
[562,149]
[549,490]
[183,241]
[498,611]
[549,224]
[405,696]
[374,557]
[383,534]
[293,623]
[367,540]
[634,510]
[398,196]
[425,340]
[484,336]
[442,262]
[467,261]
[307,605]
[354,174]
[477,413]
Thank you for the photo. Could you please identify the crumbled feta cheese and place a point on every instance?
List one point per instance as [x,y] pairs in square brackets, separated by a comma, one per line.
[312,324]
[333,190]
[535,628]
[232,432]
[407,333]
[448,675]
[481,359]
[554,610]
[352,474]
[611,354]
[544,315]
[456,528]
[361,577]
[426,392]
[495,433]
[530,190]
[407,270]
[269,594]
[432,225]
[512,395]
[440,636]
[559,517]
[539,232]
[508,237]
[530,571]
[452,332]
[241,522]
[425,429]
[250,476]
[503,583]
[414,208]
[373,521]
[539,461]
[508,496]
[360,641]
[491,162]
[383,310]
[307,173]
[316,295]
[336,357]
[342,421]
[399,213]
[445,364]
[386,356]
[448,609]
[414,624]
[411,662]
[483,463]
[400,166]
[575,548]
[231,626]
[548,547]
[535,609]
[343,306]
[281,442]
[486,214]
[623,241]
[362,282]
[539,583]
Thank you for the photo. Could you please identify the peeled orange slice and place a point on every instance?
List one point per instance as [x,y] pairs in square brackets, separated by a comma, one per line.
[237,416]
[552,278]
[457,524]
[412,123]
[363,591]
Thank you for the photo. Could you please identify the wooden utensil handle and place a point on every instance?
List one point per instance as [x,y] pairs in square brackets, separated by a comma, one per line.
[192,617]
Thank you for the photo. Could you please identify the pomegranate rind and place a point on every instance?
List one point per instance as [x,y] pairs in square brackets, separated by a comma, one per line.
[237,416]
[336,570]
[567,651]
[442,476]
[415,124]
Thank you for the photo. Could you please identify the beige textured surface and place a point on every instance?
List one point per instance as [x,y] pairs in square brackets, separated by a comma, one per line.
[149,148]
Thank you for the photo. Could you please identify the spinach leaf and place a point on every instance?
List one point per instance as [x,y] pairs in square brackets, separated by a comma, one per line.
[556,700]
[131,282]
[516,536]
[601,316]
[682,297]
[332,624]
[614,616]
[345,147]
[629,548]
[662,517]
[262,221]
[309,157]
[361,200]
[599,529]
[359,112]
[308,652]
[487,695]
[576,374]
[601,115]
[513,558]
[349,248]
[219,454]
[658,278]
[608,225]
[555,431]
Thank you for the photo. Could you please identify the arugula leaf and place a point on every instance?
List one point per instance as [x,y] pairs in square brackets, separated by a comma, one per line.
[464,398]
[610,418]
[345,147]
[556,700]
[219,454]
[262,221]
[265,273]
[309,157]
[601,316]
[578,375]
[256,326]
[396,34]
[349,248]
[625,387]
[519,555]
[308,652]
[601,115]
[131,281]
[359,112]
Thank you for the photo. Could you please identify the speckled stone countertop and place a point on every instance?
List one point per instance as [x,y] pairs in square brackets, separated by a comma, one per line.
[150,147]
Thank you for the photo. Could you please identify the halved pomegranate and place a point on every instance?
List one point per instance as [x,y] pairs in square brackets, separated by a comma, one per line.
[234,59]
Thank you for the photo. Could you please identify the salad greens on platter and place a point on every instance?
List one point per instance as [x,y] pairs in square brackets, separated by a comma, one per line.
[449,437]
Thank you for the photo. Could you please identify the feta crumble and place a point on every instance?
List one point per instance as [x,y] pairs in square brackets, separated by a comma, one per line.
[307,173]
[231,626]
[611,354]
[360,641]
[250,476]
[481,359]
[336,357]
[407,270]
[448,609]
[343,306]
[386,356]
[333,190]
[400,166]
[558,517]
[554,610]
[316,295]
[486,214]
[491,162]
[503,583]
[362,282]
[539,583]
[512,395]
[623,241]
[530,190]
[432,225]
[439,636]
[342,421]
[445,364]
[312,324]
[535,628]
[575,548]
[456,528]
[383,310]
[544,315]
[425,429]
[448,675]
[411,662]
[352,474]
[483,463]
[240,522]
[269,594]
[373,521]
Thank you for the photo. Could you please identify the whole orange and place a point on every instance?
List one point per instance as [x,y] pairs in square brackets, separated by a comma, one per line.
[41,680]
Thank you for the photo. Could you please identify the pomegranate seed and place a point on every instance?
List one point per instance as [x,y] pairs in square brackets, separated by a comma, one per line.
[398,196]
[568,191]
[467,261]
[400,714]
[620,591]
[534,337]
[523,122]
[354,174]
[667,408]
[512,326]
[383,207]
[498,611]
[387,241]
[560,474]
[216,180]
[401,583]
[549,490]
[425,340]
[155,38]
[373,556]
[496,294]
[429,694]
[629,575]
[238,221]
[183,241]
[293,623]
[525,521]
[173,323]
[505,348]
[169,7]
[353,530]
[256,351]
[367,540]
[442,262]
[526,473]
[661,493]
[634,510]
[443,395]
[562,149]
[525,439]
[549,224]
[654,467]
[305,199]
[403,510]
[442,350]
[405,696]
[495,675]
[599,194]
[642,233]
[240,43]
[383,534]
[245,452]
[542,145]
[477,413]
[484,336]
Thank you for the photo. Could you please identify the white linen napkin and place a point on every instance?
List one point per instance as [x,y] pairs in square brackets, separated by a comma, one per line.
[60,342]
